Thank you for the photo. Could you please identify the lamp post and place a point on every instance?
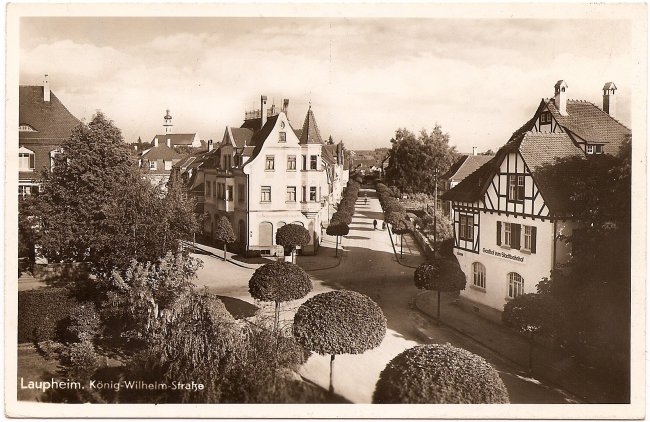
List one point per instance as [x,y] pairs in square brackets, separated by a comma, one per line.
[435,212]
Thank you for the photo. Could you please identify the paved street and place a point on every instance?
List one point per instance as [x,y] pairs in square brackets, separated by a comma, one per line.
[369,266]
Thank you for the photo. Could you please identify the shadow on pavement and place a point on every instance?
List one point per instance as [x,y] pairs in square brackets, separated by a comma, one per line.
[238,308]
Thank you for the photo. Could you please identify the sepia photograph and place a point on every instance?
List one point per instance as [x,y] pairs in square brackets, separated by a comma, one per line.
[326,205]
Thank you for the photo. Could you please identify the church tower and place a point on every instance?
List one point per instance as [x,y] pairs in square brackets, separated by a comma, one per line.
[168,123]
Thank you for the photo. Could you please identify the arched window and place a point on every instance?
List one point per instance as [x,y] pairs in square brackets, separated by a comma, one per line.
[266,234]
[515,285]
[478,271]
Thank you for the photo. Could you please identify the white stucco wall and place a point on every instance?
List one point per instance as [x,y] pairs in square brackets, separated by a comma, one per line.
[531,266]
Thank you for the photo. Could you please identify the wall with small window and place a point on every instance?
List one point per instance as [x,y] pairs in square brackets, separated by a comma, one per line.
[508,244]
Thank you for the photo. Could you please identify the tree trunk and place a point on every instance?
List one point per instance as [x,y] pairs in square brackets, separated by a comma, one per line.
[438,308]
[331,373]
[277,317]
[336,254]
[225,249]
[401,244]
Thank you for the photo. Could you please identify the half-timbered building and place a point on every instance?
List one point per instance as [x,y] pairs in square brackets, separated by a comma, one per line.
[508,221]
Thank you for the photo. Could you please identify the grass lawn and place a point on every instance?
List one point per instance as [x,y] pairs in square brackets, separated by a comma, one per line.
[32,366]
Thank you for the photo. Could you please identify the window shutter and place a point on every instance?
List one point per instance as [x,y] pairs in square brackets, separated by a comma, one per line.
[533,239]
[498,233]
[31,161]
[516,236]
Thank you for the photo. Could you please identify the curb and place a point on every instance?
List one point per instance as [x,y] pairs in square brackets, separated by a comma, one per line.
[491,349]
[340,259]
[237,263]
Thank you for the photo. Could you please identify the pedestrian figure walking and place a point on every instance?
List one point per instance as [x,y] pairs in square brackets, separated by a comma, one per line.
[374,224]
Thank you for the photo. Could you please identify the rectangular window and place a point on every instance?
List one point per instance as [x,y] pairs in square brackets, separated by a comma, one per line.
[241,193]
[466,229]
[516,187]
[291,194]
[229,193]
[312,193]
[152,165]
[266,194]
[168,165]
[270,162]
[313,162]
[291,162]
[598,149]
[25,161]
[304,162]
[283,137]
[528,237]
[590,149]
[507,234]
[478,270]
[515,285]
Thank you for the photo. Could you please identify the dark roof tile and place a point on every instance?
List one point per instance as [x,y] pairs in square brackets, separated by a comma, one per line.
[51,120]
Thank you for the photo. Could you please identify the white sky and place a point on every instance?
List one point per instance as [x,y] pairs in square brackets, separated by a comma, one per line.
[479,78]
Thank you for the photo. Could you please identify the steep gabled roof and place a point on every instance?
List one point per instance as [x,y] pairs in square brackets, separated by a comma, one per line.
[241,137]
[50,120]
[465,166]
[328,153]
[537,149]
[310,133]
[161,152]
[260,136]
[590,123]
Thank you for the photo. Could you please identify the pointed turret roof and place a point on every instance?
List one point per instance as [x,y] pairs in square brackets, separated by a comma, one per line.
[310,133]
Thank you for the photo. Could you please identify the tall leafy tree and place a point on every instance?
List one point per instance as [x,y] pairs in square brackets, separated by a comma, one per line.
[595,286]
[413,160]
[96,207]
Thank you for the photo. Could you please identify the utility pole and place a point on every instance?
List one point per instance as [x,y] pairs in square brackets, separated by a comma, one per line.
[435,212]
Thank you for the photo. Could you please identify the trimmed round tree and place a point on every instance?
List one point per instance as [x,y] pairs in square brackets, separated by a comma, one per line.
[533,314]
[279,282]
[338,322]
[442,275]
[292,235]
[439,373]
[223,232]
[337,228]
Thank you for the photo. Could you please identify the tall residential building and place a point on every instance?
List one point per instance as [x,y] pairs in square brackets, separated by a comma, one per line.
[266,175]
[44,123]
[508,222]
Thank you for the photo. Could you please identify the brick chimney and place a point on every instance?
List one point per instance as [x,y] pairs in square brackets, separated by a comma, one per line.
[473,150]
[561,97]
[285,107]
[263,110]
[210,145]
[46,89]
[609,99]
[155,142]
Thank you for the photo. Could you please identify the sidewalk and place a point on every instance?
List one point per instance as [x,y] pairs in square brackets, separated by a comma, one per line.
[218,253]
[549,364]
[410,255]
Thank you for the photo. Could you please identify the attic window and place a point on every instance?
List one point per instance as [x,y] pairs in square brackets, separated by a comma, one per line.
[25,128]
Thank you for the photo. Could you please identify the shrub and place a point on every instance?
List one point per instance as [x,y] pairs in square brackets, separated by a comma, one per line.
[339,321]
[80,359]
[443,275]
[533,314]
[292,235]
[279,282]
[85,323]
[437,373]
[41,313]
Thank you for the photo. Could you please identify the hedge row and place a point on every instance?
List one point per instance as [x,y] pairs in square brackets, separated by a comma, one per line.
[345,210]
[42,312]
[394,211]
